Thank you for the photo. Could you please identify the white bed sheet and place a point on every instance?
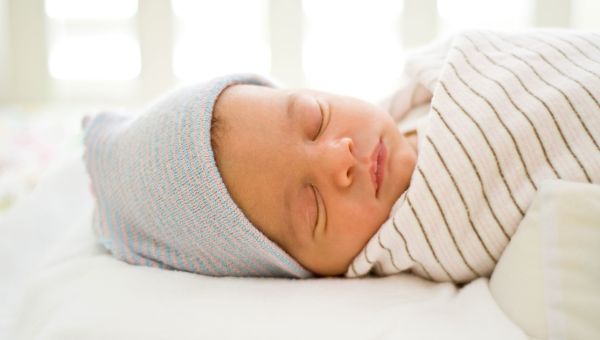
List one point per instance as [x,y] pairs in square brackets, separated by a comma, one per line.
[34,224]
[79,291]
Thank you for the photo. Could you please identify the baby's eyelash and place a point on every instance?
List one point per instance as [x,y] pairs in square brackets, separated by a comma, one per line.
[318,210]
[321,125]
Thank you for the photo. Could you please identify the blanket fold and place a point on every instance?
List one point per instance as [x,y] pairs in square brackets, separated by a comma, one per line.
[508,112]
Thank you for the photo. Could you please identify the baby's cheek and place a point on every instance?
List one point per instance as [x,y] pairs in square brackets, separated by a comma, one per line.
[355,243]
[362,232]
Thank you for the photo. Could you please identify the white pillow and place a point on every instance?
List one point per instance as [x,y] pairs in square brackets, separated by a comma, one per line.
[548,278]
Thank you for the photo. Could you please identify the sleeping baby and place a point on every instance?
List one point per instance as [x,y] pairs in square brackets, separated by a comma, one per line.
[239,177]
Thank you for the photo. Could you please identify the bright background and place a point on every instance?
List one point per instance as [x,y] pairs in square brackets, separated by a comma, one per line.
[127,51]
[62,58]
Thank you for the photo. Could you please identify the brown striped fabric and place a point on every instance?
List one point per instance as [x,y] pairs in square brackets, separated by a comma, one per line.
[508,112]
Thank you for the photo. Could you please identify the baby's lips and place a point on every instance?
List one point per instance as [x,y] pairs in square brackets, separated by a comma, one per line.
[374,166]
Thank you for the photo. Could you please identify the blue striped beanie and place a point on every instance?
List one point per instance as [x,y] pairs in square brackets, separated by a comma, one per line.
[160,199]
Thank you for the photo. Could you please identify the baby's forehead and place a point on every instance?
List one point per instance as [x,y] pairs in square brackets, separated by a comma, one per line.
[248,95]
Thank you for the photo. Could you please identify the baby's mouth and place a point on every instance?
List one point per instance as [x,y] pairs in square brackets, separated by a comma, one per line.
[377,165]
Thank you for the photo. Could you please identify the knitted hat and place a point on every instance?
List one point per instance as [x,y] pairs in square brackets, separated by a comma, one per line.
[160,199]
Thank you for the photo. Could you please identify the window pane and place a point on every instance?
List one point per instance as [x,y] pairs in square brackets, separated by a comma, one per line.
[218,37]
[97,56]
[91,9]
[458,15]
[361,54]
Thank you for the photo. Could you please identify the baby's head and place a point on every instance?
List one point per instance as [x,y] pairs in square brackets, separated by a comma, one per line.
[316,173]
[302,179]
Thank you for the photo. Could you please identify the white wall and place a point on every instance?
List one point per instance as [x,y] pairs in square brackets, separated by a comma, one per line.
[286,35]
[5,69]
[27,27]
[553,13]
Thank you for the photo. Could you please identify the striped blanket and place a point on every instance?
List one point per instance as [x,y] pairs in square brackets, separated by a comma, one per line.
[508,111]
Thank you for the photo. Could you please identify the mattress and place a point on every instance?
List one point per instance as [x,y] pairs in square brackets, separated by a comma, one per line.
[63,285]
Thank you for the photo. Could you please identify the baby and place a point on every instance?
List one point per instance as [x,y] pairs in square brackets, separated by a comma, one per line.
[316,173]
[237,177]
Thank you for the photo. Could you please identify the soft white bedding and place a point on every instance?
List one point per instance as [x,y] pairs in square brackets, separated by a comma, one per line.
[80,292]
[508,112]
[548,279]
[34,224]
[57,284]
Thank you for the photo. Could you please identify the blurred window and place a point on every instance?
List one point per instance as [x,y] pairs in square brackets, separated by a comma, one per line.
[91,9]
[458,15]
[92,39]
[217,37]
[359,55]
[95,48]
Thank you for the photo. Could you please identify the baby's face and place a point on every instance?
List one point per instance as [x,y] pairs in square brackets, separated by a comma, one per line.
[315,172]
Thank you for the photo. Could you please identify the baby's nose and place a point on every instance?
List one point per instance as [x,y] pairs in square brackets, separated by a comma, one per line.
[338,161]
